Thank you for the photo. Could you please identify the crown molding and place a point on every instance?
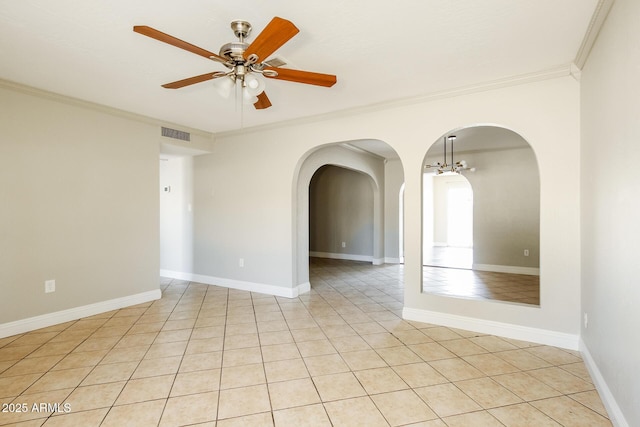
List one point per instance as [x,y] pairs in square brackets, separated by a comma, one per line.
[595,25]
[29,90]
[559,71]
[351,147]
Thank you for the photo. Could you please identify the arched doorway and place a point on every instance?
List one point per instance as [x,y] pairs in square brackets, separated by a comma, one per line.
[359,157]
[502,171]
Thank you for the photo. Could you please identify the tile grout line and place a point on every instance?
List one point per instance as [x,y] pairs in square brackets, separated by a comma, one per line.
[347,297]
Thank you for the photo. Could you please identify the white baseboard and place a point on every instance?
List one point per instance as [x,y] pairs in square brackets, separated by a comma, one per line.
[388,260]
[508,330]
[303,288]
[350,257]
[531,271]
[279,291]
[50,319]
[613,410]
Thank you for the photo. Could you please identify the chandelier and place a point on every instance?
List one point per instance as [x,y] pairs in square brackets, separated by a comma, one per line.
[453,167]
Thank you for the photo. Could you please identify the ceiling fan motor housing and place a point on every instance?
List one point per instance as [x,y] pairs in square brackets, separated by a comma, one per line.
[234,50]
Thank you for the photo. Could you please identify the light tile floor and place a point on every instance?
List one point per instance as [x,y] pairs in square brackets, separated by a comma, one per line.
[483,285]
[447,271]
[447,256]
[339,355]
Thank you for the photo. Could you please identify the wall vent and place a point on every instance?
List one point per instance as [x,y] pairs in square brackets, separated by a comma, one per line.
[176,134]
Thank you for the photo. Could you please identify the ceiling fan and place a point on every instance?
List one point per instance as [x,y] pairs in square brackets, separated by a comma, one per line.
[247,63]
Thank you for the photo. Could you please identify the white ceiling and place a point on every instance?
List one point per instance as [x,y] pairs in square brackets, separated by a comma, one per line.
[380,50]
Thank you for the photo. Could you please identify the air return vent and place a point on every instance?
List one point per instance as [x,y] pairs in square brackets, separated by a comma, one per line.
[276,62]
[176,134]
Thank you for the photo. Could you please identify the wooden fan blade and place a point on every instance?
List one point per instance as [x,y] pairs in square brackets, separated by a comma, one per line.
[166,38]
[186,82]
[307,77]
[263,102]
[275,34]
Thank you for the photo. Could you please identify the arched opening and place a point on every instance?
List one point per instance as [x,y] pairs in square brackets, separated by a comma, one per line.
[376,164]
[481,220]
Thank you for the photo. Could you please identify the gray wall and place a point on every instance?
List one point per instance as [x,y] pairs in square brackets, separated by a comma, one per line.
[506,206]
[610,127]
[240,214]
[393,181]
[340,210]
[78,204]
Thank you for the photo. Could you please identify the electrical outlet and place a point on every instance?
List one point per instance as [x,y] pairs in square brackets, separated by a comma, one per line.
[241,262]
[526,252]
[344,244]
[49,286]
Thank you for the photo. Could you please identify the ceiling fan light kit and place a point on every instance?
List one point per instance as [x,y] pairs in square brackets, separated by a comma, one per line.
[248,64]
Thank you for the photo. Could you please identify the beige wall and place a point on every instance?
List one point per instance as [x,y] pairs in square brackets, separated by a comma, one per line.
[79,204]
[265,165]
[610,101]
[101,239]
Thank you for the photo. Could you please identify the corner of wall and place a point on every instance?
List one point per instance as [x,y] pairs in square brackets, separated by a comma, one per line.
[613,410]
